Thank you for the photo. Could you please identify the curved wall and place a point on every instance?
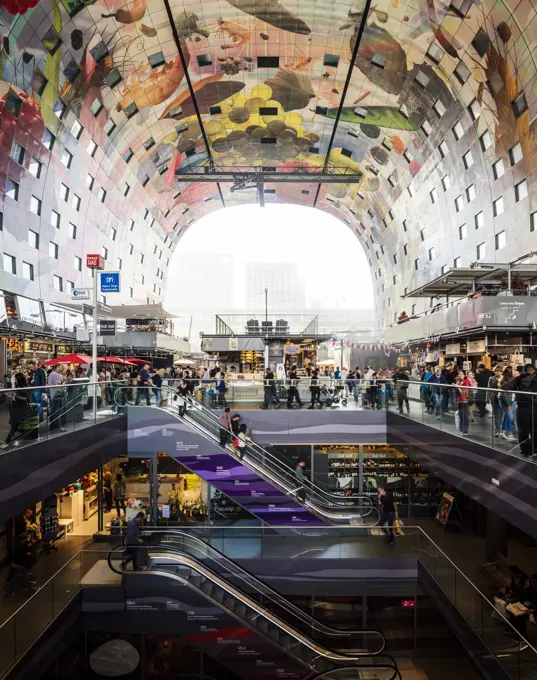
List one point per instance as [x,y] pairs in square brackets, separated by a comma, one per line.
[96,95]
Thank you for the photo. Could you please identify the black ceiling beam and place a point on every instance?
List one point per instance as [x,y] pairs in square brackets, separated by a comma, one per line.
[363,24]
[177,41]
[266,177]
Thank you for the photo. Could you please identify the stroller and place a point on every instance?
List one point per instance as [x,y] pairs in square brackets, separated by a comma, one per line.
[339,394]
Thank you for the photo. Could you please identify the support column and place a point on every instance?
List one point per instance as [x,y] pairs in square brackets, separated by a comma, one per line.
[100,508]
[153,490]
[496,538]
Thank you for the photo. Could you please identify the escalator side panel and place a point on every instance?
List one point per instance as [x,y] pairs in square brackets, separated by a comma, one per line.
[160,430]
[211,628]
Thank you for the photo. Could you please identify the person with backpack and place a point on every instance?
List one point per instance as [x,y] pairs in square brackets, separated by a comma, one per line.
[241,440]
[225,427]
[38,378]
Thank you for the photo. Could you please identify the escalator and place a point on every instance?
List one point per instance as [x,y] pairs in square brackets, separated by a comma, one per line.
[356,510]
[253,631]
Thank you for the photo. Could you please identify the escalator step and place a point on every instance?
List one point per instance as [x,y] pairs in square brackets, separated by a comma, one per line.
[207,587]
[252,616]
[196,579]
[240,610]
[262,624]
[274,633]
[218,594]
[286,640]
[306,654]
[229,602]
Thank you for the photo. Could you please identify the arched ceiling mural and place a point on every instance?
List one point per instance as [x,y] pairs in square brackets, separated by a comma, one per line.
[429,104]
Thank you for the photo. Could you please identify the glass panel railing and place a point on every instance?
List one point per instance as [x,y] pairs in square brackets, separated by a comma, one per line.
[23,628]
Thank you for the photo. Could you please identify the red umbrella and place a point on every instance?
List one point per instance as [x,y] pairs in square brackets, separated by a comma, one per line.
[69,359]
[140,362]
[111,360]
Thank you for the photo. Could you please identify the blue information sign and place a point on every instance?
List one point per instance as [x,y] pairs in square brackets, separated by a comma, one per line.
[109,282]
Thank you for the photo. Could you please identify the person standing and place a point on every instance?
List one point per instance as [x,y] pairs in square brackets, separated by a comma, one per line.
[494,398]
[21,564]
[242,440]
[482,376]
[133,541]
[107,491]
[156,381]
[19,408]
[388,515]
[315,390]
[56,400]
[119,495]
[507,404]
[462,386]
[400,379]
[438,378]
[301,480]
[221,389]
[225,427]
[292,393]
[182,396]
[38,378]
[526,416]
[270,390]
[143,383]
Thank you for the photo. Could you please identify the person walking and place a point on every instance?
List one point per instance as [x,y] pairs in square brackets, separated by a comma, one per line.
[143,383]
[388,515]
[133,541]
[119,495]
[56,400]
[225,427]
[425,390]
[315,390]
[156,381]
[235,424]
[241,440]
[20,566]
[107,491]
[182,395]
[507,404]
[526,416]
[494,399]
[19,408]
[438,378]
[401,379]
[270,390]
[482,376]
[292,393]
[462,386]
[221,389]
[301,480]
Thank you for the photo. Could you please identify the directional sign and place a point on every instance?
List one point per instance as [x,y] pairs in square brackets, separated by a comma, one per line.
[80,294]
[109,282]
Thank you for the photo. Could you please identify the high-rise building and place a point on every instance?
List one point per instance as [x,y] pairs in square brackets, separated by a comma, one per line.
[286,290]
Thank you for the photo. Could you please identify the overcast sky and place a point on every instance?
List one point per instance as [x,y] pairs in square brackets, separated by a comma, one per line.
[330,258]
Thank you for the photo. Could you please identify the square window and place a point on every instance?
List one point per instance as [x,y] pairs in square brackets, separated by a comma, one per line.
[470,193]
[35,205]
[102,194]
[113,233]
[10,264]
[48,139]
[431,254]
[500,240]
[35,168]
[457,263]
[13,103]
[498,168]
[146,213]
[131,110]
[458,130]
[76,129]
[71,71]
[485,140]
[92,147]
[156,59]
[405,248]
[129,153]
[405,227]
[407,156]
[205,60]
[435,53]
[75,202]
[59,108]
[146,181]
[463,232]
[426,127]
[113,78]
[444,269]
[131,292]
[142,257]
[78,263]
[51,40]
[104,252]
[495,83]
[109,127]
[533,218]
[481,251]
[17,153]
[53,250]
[422,79]
[378,60]
[439,108]
[497,206]
[12,189]
[446,182]
[461,7]
[28,271]
[268,62]
[72,230]
[70,285]
[55,219]
[462,72]
[119,263]
[459,204]
[67,158]
[331,60]
[90,181]
[126,189]
[149,143]
[131,249]
[96,107]
[422,234]
[468,160]
[434,196]
[131,225]
[33,239]
[38,82]
[58,283]
[443,149]
[521,190]
[515,154]
[519,104]
[417,264]
[479,220]
[323,110]
[474,109]
[64,192]
[481,42]
[99,52]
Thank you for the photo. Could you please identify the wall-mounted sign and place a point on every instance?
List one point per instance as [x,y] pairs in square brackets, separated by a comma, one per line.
[109,282]
[94,261]
[475,347]
[291,349]
[453,349]
[233,344]
[80,294]
[107,327]
[444,508]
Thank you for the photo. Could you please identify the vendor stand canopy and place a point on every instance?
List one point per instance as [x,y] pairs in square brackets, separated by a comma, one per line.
[69,359]
[117,360]
[183,362]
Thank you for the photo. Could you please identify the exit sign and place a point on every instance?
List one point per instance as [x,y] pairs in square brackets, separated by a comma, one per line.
[94,261]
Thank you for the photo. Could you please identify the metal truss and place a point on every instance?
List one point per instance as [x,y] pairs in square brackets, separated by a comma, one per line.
[252,179]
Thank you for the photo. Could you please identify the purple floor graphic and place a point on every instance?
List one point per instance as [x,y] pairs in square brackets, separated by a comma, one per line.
[156,430]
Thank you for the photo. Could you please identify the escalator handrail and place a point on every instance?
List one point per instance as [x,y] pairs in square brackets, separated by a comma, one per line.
[277,462]
[263,589]
[278,483]
[340,669]
[202,570]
